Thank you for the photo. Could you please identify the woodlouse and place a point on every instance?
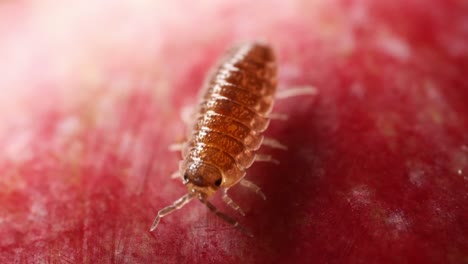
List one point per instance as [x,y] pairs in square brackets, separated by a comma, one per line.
[233,112]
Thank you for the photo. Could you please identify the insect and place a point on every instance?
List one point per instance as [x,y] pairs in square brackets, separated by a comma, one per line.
[234,110]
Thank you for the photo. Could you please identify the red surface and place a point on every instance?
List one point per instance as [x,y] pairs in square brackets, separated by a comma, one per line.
[377,167]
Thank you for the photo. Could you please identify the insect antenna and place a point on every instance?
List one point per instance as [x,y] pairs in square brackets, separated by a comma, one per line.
[225,217]
[179,203]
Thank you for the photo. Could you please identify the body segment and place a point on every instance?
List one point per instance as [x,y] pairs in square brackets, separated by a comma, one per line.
[233,113]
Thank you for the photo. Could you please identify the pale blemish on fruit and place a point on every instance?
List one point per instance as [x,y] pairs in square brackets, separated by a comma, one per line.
[398,221]
[360,196]
[37,210]
[416,177]
[459,161]
[417,172]
[434,111]
[394,46]
[17,148]
[67,129]
[358,90]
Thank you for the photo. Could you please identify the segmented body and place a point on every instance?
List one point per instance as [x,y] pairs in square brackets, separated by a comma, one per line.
[227,129]
[232,114]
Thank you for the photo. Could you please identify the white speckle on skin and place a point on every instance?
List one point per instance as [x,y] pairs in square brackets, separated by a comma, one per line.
[18,255]
[68,126]
[360,196]
[358,13]
[431,90]
[104,111]
[37,210]
[67,129]
[18,148]
[290,71]
[460,161]
[394,46]
[125,143]
[416,177]
[398,221]
[346,44]
[358,90]
[454,39]
[187,113]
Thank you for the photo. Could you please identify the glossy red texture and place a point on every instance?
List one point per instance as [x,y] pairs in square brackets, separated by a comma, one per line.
[377,166]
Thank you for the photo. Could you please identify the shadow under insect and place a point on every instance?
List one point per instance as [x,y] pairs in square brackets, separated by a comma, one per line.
[291,186]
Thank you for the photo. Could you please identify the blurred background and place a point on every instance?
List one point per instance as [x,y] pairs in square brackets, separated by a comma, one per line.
[91,96]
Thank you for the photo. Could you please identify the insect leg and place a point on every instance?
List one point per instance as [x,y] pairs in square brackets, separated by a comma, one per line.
[266,158]
[171,208]
[176,147]
[186,114]
[253,187]
[226,218]
[175,175]
[298,91]
[231,203]
[273,143]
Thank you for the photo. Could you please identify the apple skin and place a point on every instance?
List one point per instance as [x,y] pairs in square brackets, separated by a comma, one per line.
[377,164]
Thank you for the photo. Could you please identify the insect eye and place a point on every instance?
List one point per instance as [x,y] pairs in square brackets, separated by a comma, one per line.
[218,182]
[185,177]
